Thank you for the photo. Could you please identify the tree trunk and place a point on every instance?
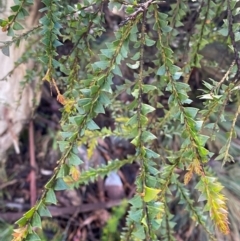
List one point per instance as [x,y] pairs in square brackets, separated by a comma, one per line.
[15,100]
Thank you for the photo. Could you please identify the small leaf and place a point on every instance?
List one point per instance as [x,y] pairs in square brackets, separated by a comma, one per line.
[51,197]
[149,42]
[135,141]
[29,213]
[136,56]
[22,221]
[17,26]
[60,185]
[136,201]
[117,71]
[74,159]
[44,212]
[63,145]
[136,215]
[162,70]
[36,220]
[107,52]
[10,32]
[100,65]
[15,8]
[33,237]
[19,233]
[150,194]
[91,125]
[75,173]
[191,111]
[202,139]
[237,36]
[202,197]
[147,88]
[99,108]
[5,50]
[140,233]
[223,31]
[151,154]
[146,109]
[148,136]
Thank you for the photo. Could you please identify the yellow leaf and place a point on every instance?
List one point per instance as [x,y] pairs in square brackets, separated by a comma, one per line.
[188,177]
[68,106]
[150,194]
[75,173]
[61,99]
[68,180]
[47,76]
[19,234]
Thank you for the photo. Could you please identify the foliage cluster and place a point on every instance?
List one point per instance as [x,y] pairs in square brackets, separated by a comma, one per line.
[160,111]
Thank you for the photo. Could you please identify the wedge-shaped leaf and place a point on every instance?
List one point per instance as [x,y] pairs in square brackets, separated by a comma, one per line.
[237,36]
[224,31]
[151,154]
[60,185]
[29,213]
[135,141]
[143,119]
[63,145]
[136,215]
[36,220]
[104,99]
[148,136]
[99,108]
[74,159]
[136,56]
[10,32]
[202,197]
[147,109]
[191,111]
[117,71]
[91,125]
[43,211]
[78,119]
[139,233]
[198,125]
[202,139]
[148,88]
[125,49]
[203,151]
[177,75]
[94,89]
[108,52]
[166,29]
[64,171]
[136,201]
[15,8]
[144,221]
[22,221]
[150,194]
[57,43]
[100,65]
[51,197]
[162,70]
[132,121]
[17,26]
[149,42]
[33,237]
[5,50]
